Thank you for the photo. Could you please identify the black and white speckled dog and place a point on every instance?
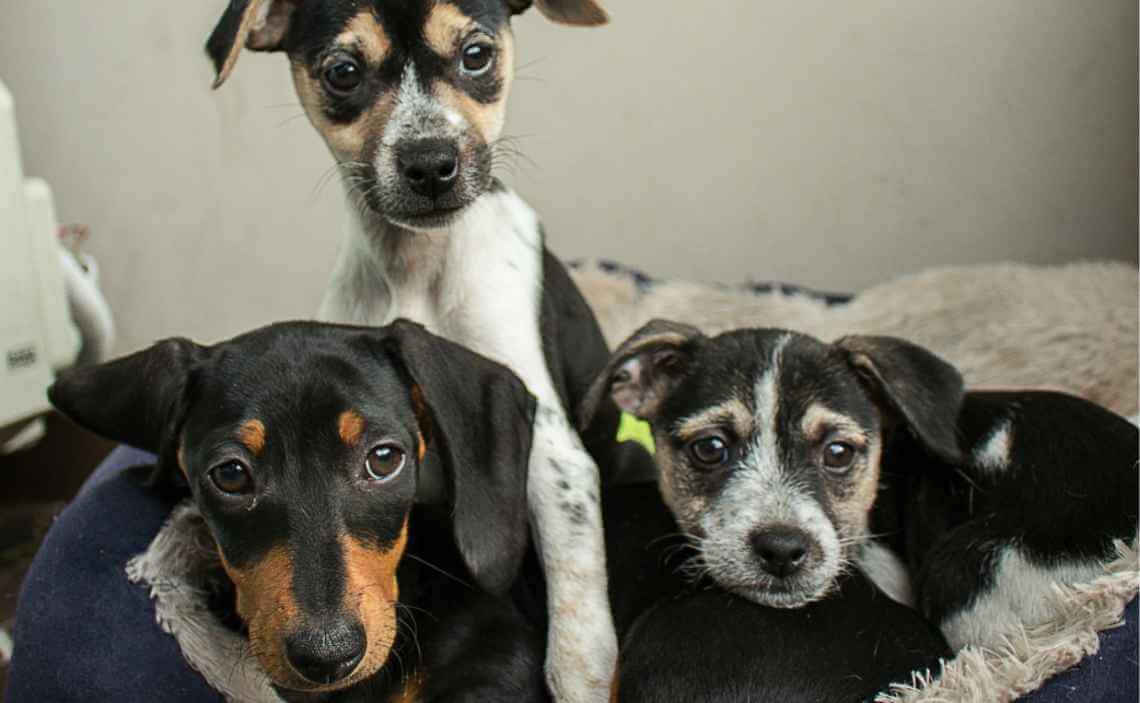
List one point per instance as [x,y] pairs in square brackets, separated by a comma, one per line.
[804,457]
[410,96]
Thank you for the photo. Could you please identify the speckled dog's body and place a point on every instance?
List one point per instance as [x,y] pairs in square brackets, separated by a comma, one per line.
[410,98]
[805,457]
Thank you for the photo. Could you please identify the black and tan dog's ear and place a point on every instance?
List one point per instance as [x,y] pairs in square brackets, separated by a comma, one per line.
[481,419]
[643,370]
[259,25]
[578,13]
[924,391]
[136,400]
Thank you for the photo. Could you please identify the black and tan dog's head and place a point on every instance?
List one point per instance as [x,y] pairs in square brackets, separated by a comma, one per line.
[769,442]
[304,446]
[409,95]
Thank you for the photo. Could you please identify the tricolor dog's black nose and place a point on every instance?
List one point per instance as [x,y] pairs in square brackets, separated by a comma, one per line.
[781,551]
[329,653]
[430,167]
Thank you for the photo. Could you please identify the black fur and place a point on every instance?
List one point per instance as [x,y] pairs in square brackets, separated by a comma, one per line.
[685,641]
[1070,488]
[187,402]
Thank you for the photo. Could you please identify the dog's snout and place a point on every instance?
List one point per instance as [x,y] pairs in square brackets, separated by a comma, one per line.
[430,167]
[327,653]
[781,551]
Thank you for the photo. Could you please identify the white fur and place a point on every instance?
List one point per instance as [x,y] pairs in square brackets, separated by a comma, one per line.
[994,452]
[479,283]
[759,495]
[1020,597]
[887,571]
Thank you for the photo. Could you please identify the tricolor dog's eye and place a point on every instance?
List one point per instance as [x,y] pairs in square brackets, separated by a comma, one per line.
[384,462]
[476,57]
[837,456]
[709,452]
[232,477]
[342,76]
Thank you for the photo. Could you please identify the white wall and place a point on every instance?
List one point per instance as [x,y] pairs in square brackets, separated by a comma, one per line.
[827,142]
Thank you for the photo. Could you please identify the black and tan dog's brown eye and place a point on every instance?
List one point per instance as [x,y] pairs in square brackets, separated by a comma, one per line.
[342,77]
[477,57]
[709,452]
[232,477]
[384,462]
[838,456]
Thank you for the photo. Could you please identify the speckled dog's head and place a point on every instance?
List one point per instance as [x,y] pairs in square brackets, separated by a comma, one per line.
[409,95]
[769,442]
[304,446]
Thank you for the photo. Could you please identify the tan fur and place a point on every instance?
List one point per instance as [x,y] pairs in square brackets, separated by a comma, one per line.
[445,27]
[853,509]
[265,602]
[347,142]
[410,693]
[486,120]
[252,435]
[819,417]
[349,427]
[371,592]
[1072,328]
[731,412]
[366,33]
[248,19]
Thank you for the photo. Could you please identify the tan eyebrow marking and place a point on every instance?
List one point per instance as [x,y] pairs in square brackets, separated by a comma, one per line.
[365,32]
[444,25]
[732,412]
[252,435]
[818,416]
[349,426]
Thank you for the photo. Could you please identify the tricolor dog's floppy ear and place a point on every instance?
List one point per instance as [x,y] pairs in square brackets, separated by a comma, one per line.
[914,384]
[481,420]
[579,13]
[643,370]
[259,25]
[138,400]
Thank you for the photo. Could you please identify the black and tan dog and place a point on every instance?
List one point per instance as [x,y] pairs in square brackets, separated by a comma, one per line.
[787,459]
[305,446]
[410,96]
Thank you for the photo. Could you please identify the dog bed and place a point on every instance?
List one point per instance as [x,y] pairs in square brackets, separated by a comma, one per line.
[1072,328]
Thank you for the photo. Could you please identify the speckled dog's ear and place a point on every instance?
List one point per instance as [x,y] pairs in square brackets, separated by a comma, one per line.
[138,400]
[920,389]
[643,370]
[259,25]
[579,13]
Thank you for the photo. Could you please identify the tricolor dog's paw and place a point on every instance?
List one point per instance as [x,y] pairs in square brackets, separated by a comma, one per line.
[581,663]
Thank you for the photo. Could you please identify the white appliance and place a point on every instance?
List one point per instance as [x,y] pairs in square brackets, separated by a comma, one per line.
[37,335]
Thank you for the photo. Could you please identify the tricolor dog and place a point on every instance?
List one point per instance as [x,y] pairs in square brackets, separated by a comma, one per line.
[410,97]
[789,459]
[311,451]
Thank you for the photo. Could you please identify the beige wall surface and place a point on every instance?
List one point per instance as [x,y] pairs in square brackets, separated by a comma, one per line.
[831,143]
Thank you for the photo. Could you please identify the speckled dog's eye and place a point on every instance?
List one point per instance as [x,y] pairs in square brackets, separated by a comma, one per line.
[232,478]
[837,456]
[342,76]
[384,462]
[476,58]
[709,452]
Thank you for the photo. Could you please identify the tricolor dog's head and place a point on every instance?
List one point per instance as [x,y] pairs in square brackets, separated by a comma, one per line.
[769,442]
[304,446]
[409,95]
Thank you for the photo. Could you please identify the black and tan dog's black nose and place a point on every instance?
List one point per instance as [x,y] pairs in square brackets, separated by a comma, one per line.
[781,551]
[328,653]
[430,167]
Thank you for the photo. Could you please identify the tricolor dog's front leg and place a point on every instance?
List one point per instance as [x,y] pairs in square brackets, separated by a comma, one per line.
[566,514]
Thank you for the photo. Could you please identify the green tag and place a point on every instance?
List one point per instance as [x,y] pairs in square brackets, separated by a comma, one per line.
[637,430]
